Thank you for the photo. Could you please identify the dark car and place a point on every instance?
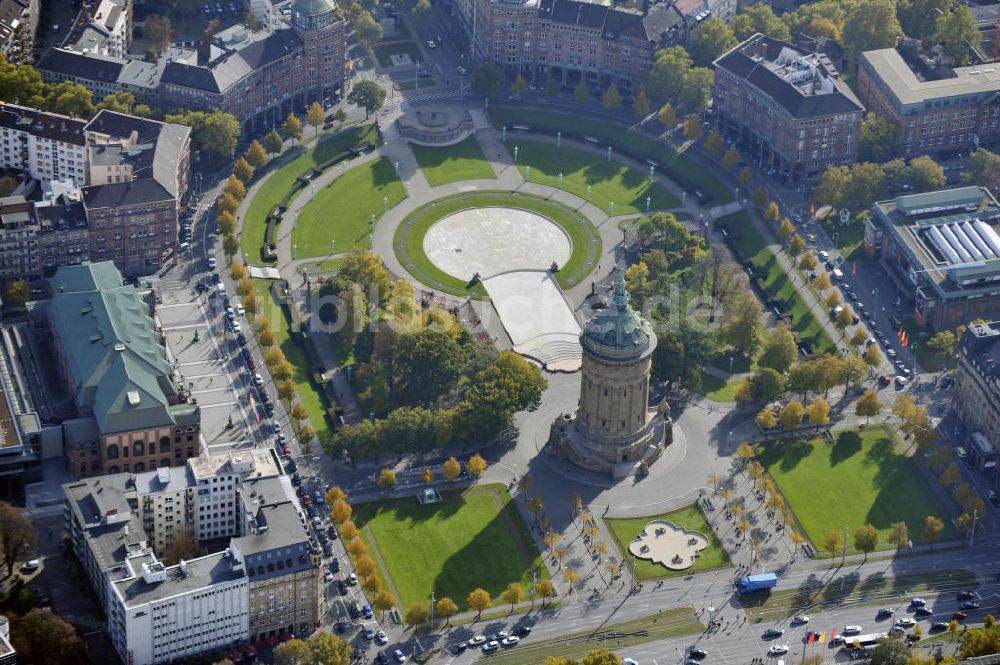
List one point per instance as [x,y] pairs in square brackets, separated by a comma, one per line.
[332,532]
[327,549]
[772,633]
[296,479]
[335,565]
[342,626]
[969,605]
[459,648]
[697,653]
[884,612]
[967,595]
[922,612]
[522,631]
[342,587]
[241,339]
[382,658]
[959,616]
[269,409]
[323,538]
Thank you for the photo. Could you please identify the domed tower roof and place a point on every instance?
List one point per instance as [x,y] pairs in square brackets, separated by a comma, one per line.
[313,7]
[313,14]
[618,332]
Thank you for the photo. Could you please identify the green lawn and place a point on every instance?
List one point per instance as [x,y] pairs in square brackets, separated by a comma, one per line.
[384,51]
[462,161]
[716,389]
[609,181]
[280,182]
[679,167]
[690,517]
[409,240]
[452,547]
[342,210]
[927,359]
[849,240]
[309,395]
[748,245]
[860,479]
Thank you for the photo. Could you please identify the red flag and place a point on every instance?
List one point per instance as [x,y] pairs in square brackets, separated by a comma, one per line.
[812,637]
[906,340]
[833,634]
[899,333]
[854,267]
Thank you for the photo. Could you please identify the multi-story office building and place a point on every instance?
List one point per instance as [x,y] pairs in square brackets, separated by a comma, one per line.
[63,234]
[260,77]
[260,582]
[132,415]
[786,106]
[937,107]
[942,250]
[978,390]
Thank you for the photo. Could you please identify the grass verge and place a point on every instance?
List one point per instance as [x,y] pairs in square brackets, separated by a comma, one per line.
[384,52]
[342,211]
[462,161]
[872,481]
[409,240]
[684,170]
[310,396]
[281,180]
[471,539]
[748,245]
[675,622]
[609,182]
[625,530]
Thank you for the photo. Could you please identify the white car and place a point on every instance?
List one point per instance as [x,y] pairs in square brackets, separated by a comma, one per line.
[431,44]
[211,263]
[510,640]
[30,566]
[381,637]
[777,650]
[851,630]
[906,622]
[492,645]
[328,576]
[800,619]
[239,310]
[477,640]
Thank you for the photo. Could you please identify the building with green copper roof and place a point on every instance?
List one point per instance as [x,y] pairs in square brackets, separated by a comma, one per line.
[115,366]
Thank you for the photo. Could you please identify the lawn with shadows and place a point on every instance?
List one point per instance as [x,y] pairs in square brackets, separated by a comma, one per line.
[625,530]
[474,538]
[279,183]
[462,161]
[341,212]
[861,478]
[609,181]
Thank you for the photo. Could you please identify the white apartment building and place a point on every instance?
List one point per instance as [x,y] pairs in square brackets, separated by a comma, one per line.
[46,145]
[163,614]
[109,30]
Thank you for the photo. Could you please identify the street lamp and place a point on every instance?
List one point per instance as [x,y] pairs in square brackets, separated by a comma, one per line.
[609,153]
[515,154]
[560,180]
[295,246]
[503,133]
[649,202]
[558,139]
[651,171]
[588,192]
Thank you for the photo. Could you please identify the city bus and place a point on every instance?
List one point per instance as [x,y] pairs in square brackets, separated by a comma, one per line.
[863,641]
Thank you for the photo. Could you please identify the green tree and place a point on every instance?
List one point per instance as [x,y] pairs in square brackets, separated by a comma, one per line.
[292,652]
[69,98]
[951,475]
[292,127]
[612,99]
[41,636]
[230,245]
[833,542]
[844,317]
[742,328]
[979,642]
[785,230]
[513,594]
[868,405]
[944,344]
[18,292]
[665,79]
[925,174]
[242,170]
[872,357]
[891,650]
[766,418]
[479,600]
[956,30]
[383,602]
[918,18]
[866,539]
[870,25]
[416,614]
[213,133]
[714,37]
[731,158]
[984,171]
[368,95]
[158,32]
[421,12]
[808,261]
[490,80]
[328,649]
[17,536]
[119,101]
[426,363]
[766,385]
[714,143]
[510,384]
[581,92]
[879,139]
[367,29]
[316,116]
[519,85]
[796,245]
[273,142]
[692,127]
[667,116]
[760,196]
[641,105]
[779,350]
[759,18]
[791,415]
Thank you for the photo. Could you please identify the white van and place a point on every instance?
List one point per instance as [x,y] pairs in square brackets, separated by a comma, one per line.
[184,247]
[837,275]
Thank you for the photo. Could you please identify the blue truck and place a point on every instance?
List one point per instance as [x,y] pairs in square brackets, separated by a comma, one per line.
[756,582]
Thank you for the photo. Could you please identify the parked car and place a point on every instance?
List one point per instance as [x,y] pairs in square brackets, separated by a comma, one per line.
[492,645]
[777,650]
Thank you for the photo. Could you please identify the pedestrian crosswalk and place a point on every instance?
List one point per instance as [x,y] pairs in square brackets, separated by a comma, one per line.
[401,101]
